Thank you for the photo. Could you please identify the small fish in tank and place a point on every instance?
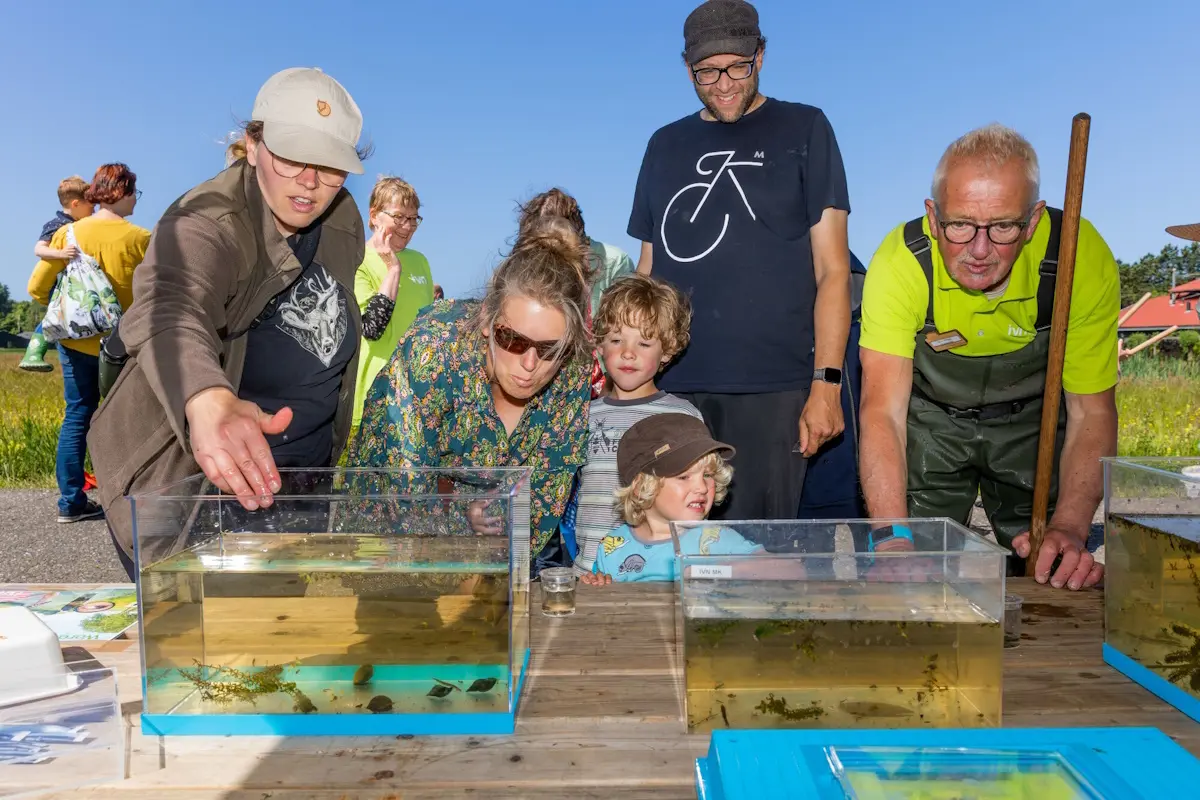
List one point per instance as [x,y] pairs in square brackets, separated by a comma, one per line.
[1152,594]
[908,655]
[300,624]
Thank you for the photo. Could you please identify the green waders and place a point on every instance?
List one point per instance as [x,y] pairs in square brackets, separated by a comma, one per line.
[973,422]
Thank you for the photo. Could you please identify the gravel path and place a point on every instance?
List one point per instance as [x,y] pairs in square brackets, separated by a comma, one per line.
[36,549]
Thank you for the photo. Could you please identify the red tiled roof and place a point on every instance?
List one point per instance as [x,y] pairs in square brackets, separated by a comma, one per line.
[1188,288]
[1158,313]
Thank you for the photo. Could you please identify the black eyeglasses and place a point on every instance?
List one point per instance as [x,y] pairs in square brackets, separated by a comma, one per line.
[519,344]
[1006,231]
[286,168]
[404,219]
[706,76]
[137,195]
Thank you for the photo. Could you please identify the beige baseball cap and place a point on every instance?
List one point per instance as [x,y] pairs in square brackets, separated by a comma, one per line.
[309,117]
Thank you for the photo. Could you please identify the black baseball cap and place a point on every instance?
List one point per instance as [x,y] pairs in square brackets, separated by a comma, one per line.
[665,445]
[720,27]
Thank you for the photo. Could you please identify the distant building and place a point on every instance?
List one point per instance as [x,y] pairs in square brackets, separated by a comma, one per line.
[1180,307]
[14,341]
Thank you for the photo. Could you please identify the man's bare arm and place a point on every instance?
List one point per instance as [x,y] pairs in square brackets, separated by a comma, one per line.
[831,268]
[886,387]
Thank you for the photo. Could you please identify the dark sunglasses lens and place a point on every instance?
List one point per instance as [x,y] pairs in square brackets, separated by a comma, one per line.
[512,341]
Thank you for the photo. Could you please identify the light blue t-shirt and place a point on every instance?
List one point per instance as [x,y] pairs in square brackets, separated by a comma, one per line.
[626,558]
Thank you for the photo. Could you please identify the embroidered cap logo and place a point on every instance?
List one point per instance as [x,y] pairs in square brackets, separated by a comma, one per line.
[323,108]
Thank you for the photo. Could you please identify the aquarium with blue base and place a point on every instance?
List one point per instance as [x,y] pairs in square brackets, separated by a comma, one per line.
[1008,764]
[799,624]
[360,602]
[1152,575]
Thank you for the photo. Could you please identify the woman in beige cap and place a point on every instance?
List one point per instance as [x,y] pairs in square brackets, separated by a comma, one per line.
[242,339]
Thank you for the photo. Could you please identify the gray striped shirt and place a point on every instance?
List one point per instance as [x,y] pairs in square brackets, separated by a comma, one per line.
[607,422]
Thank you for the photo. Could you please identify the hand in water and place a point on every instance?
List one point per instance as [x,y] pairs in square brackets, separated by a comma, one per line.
[482,523]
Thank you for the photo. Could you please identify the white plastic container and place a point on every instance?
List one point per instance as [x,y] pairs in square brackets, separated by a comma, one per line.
[1192,486]
[32,659]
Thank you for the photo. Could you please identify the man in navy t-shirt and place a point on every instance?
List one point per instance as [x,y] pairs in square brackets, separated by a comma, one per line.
[743,206]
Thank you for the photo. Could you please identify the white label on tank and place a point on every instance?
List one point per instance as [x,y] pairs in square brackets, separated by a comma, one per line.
[711,571]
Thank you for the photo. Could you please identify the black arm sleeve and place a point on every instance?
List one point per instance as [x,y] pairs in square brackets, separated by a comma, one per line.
[377,316]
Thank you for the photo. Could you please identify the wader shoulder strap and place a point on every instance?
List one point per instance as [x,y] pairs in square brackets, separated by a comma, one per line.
[1048,273]
[919,245]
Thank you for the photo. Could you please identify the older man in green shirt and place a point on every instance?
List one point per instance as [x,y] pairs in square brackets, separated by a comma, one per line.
[955,336]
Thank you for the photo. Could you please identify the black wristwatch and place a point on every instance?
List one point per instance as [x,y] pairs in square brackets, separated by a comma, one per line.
[829,375]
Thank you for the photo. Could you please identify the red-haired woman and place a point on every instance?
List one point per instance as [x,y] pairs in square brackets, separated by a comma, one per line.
[118,246]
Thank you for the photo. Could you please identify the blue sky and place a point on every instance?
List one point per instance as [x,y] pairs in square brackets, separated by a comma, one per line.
[482,104]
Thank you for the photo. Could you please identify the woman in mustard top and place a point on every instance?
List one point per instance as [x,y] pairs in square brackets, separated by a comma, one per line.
[119,246]
[392,284]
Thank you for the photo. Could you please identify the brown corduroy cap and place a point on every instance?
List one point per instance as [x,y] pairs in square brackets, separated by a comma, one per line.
[1189,232]
[665,445]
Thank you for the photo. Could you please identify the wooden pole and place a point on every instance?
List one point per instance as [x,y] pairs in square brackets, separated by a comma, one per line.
[1129,312]
[1153,340]
[1069,238]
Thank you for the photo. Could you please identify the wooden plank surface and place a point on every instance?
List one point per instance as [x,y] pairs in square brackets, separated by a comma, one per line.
[602,714]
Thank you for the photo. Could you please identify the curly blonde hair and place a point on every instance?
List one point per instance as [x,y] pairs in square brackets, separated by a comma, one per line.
[653,306]
[633,501]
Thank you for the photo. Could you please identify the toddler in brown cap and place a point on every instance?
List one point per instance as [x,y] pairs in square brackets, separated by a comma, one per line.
[671,469]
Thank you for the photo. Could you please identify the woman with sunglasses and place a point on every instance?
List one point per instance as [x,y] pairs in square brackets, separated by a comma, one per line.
[496,383]
[243,336]
[118,246]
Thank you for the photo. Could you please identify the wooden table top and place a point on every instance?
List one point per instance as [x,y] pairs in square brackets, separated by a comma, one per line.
[602,715]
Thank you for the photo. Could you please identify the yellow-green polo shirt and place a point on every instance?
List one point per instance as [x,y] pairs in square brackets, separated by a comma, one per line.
[896,295]
[414,293]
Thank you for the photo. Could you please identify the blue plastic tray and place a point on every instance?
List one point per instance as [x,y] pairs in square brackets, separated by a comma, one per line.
[1108,763]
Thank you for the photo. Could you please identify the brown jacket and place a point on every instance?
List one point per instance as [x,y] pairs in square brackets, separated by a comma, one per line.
[214,262]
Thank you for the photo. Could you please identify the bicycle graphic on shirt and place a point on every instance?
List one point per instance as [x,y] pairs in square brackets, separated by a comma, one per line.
[724,169]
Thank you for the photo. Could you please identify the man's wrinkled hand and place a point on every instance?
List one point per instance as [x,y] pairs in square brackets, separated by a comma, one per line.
[1078,568]
[822,418]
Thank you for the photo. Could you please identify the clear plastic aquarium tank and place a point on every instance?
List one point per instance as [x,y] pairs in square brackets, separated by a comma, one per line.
[1152,575]
[359,602]
[815,631]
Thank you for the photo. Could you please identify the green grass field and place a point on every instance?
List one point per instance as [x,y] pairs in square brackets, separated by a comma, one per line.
[1158,403]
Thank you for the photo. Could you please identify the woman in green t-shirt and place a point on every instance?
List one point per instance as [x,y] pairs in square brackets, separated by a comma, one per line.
[392,284]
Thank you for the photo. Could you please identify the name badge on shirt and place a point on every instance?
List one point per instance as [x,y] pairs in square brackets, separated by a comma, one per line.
[941,342]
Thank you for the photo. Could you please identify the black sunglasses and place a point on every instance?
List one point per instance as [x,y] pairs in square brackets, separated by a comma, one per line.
[519,344]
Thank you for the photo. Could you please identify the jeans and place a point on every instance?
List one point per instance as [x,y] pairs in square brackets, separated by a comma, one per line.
[81,390]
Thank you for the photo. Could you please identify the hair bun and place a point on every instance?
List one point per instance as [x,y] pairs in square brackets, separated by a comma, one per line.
[556,237]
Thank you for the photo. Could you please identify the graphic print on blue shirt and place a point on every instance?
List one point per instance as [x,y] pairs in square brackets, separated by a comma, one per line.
[627,558]
[728,209]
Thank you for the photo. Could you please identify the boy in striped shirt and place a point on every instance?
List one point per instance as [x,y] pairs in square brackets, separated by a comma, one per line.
[642,323]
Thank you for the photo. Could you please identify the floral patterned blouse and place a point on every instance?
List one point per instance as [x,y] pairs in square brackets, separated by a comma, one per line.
[432,406]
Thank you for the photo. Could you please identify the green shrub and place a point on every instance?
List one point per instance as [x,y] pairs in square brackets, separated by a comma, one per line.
[1190,342]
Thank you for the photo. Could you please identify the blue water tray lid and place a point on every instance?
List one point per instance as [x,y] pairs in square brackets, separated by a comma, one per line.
[977,764]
